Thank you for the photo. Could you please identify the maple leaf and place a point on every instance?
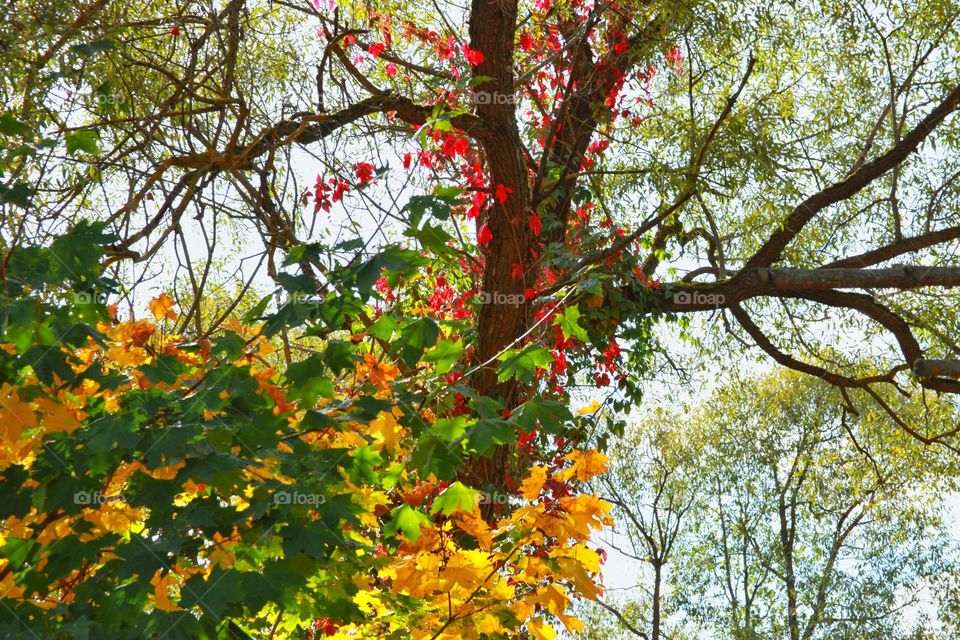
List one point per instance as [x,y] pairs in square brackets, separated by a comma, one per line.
[474,524]
[585,465]
[387,431]
[162,306]
[532,485]
[162,581]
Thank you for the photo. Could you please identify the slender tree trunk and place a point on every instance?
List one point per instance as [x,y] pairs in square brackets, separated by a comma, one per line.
[789,576]
[655,621]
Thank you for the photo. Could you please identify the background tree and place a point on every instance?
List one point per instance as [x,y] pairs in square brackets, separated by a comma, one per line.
[793,530]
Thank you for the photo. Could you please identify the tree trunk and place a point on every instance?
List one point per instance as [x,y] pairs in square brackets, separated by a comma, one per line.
[655,618]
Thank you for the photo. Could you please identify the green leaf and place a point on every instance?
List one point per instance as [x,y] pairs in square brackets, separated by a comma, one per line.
[408,520]
[451,429]
[19,194]
[10,126]
[444,355]
[569,325]
[538,414]
[256,312]
[85,141]
[415,338]
[431,237]
[393,263]
[89,49]
[486,434]
[456,497]
[307,380]
[432,455]
[437,206]
[383,328]
[299,283]
[522,364]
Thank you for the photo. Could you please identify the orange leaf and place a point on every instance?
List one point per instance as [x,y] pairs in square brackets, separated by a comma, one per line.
[162,306]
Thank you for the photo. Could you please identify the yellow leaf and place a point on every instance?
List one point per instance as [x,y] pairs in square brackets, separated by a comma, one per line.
[590,408]
[585,465]
[477,527]
[162,307]
[541,629]
[532,485]
[386,430]
[489,625]
[14,415]
[161,591]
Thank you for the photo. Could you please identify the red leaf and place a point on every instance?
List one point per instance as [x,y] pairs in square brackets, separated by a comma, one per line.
[391,69]
[407,158]
[484,235]
[364,172]
[535,225]
[526,42]
[473,56]
[340,187]
[501,193]
[517,271]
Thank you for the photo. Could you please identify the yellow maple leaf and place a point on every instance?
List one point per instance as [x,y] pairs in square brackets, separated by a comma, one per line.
[15,416]
[489,625]
[585,465]
[588,511]
[56,416]
[474,524]
[386,430]
[532,485]
[161,590]
[541,629]
[162,307]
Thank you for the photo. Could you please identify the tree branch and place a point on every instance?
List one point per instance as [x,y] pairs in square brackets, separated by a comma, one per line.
[773,248]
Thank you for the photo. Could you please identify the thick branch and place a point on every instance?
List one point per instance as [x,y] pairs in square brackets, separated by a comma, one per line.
[931,368]
[898,248]
[773,248]
[779,282]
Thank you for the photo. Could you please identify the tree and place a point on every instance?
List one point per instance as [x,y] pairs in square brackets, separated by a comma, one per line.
[791,531]
[650,489]
[447,192]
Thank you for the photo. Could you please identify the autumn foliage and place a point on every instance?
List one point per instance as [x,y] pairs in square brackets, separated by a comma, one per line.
[157,485]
